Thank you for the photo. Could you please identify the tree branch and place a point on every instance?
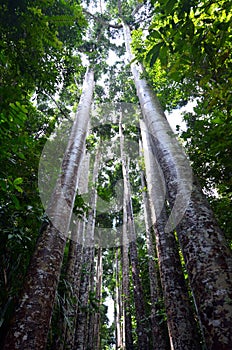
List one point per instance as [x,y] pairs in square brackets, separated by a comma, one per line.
[120,10]
[136,10]
[57,105]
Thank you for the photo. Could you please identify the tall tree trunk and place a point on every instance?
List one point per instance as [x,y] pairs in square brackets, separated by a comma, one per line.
[181,323]
[141,321]
[73,270]
[207,257]
[158,326]
[82,188]
[97,315]
[70,330]
[88,259]
[90,317]
[30,326]
[118,304]
[126,301]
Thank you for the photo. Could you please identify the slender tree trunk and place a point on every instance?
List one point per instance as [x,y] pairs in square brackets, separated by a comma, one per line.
[128,339]
[97,315]
[74,262]
[32,318]
[90,317]
[68,320]
[126,300]
[141,320]
[91,312]
[118,304]
[72,315]
[88,259]
[158,325]
[207,256]
[181,323]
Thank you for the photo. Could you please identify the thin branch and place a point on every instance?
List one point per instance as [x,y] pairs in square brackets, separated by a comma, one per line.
[120,11]
[120,8]
[136,10]
[57,105]
[100,6]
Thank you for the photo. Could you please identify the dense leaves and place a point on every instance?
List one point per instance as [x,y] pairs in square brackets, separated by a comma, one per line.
[187,57]
[38,41]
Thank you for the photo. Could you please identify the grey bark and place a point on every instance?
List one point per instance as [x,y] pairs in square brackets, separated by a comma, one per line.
[158,325]
[88,260]
[141,320]
[30,326]
[90,317]
[118,304]
[206,254]
[126,300]
[180,318]
[68,316]
[97,315]
[72,314]
[73,271]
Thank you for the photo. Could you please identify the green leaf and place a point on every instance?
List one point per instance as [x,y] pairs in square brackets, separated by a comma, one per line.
[217,120]
[164,55]
[170,6]
[3,184]
[19,189]
[155,34]
[188,29]
[21,155]
[153,53]
[18,181]
[15,201]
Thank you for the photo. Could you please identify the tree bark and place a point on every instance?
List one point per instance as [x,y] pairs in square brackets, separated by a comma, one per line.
[72,315]
[128,338]
[88,259]
[141,320]
[118,304]
[180,319]
[126,300]
[97,315]
[207,257]
[30,326]
[158,325]
[67,320]
[91,312]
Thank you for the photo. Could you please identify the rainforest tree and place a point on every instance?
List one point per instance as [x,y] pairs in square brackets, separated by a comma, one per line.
[151,243]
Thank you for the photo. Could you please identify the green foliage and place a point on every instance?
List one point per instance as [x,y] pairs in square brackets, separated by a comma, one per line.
[32,50]
[108,178]
[121,84]
[37,42]
[80,207]
[186,56]
[170,93]
[208,142]
[20,207]
[192,42]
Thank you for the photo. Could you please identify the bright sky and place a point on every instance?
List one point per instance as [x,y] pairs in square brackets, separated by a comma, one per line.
[175,117]
[110,312]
